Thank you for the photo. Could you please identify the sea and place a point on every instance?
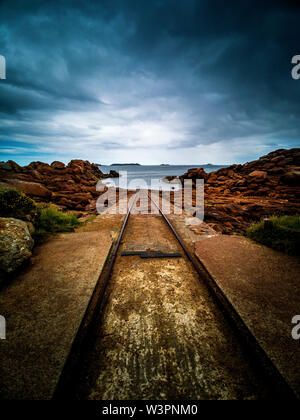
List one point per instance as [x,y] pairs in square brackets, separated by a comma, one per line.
[150,176]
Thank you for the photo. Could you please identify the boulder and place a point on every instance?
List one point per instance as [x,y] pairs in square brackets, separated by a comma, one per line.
[33,189]
[76,167]
[15,166]
[194,173]
[6,166]
[277,158]
[276,171]
[113,174]
[57,165]
[39,166]
[291,178]
[258,174]
[15,244]
[10,166]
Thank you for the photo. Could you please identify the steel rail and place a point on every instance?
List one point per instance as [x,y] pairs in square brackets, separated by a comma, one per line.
[114,254]
[186,251]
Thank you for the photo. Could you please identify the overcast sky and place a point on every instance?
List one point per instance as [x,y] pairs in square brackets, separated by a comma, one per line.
[160,81]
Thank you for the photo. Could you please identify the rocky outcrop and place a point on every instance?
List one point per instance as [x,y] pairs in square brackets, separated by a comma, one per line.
[193,174]
[272,175]
[240,194]
[15,244]
[71,186]
[112,174]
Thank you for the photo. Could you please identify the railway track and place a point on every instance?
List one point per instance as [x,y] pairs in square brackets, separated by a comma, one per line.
[154,330]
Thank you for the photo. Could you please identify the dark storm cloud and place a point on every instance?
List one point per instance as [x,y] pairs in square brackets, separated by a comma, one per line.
[162,76]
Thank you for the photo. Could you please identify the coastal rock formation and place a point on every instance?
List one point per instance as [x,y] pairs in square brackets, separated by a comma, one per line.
[71,187]
[193,174]
[15,244]
[238,195]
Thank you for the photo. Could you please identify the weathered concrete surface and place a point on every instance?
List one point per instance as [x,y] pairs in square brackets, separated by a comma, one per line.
[43,308]
[110,223]
[162,336]
[264,287]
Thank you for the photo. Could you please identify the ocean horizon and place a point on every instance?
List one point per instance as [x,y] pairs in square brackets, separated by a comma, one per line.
[149,176]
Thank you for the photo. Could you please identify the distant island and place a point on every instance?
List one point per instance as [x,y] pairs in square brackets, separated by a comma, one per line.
[164,164]
[125,164]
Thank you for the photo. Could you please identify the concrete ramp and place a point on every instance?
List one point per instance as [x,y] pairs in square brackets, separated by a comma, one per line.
[44,308]
[263,286]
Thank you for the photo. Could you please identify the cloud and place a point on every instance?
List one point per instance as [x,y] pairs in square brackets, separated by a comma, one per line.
[148,81]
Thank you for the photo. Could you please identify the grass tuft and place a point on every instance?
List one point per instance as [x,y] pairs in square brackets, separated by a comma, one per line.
[280,233]
[51,220]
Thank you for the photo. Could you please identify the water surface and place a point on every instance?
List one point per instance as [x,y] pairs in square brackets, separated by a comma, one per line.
[150,176]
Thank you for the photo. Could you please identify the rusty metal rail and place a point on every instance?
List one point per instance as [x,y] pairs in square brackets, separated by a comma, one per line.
[186,251]
[114,254]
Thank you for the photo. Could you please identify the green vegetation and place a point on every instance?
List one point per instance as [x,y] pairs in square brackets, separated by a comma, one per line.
[46,219]
[280,233]
[50,220]
[15,204]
